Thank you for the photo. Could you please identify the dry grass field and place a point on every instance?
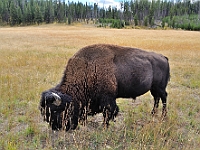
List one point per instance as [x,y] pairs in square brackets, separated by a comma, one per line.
[32,59]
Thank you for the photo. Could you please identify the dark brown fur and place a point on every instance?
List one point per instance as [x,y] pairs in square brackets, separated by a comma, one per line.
[98,74]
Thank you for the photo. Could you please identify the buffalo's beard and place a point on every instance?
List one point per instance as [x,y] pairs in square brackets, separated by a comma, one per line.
[57,118]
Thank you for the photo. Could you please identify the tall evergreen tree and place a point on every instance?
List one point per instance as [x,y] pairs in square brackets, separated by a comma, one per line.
[60,12]
[1,7]
[49,12]
[151,12]
[38,14]
[1,11]
[127,13]
[13,14]
[27,14]
[109,12]
[136,19]
[95,10]
[19,16]
[5,12]
[146,21]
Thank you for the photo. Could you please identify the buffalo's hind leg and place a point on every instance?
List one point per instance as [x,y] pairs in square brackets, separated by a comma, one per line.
[157,94]
[156,104]
[156,101]
[164,102]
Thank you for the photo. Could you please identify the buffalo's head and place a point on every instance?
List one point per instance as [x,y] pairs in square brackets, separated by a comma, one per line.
[54,107]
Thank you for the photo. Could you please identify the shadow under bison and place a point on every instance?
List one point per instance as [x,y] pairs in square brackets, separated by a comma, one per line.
[98,74]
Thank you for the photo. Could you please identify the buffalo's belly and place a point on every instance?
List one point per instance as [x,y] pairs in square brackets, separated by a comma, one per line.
[133,79]
[132,90]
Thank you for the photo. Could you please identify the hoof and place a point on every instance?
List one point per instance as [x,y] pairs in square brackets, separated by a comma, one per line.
[154,111]
[164,115]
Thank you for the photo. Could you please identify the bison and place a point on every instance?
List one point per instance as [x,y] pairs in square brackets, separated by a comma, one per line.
[98,74]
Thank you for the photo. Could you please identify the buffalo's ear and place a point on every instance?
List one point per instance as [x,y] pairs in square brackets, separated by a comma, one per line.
[42,100]
[42,104]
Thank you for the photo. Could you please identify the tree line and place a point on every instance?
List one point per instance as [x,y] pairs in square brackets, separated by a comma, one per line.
[134,12]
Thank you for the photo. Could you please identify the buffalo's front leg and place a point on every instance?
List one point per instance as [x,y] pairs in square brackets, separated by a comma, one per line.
[110,109]
[106,118]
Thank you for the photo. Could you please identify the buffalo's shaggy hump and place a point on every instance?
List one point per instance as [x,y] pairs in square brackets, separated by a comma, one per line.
[98,74]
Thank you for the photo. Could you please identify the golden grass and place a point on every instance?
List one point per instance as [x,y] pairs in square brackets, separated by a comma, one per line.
[32,59]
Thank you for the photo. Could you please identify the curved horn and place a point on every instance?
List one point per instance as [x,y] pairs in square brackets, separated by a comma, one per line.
[57,101]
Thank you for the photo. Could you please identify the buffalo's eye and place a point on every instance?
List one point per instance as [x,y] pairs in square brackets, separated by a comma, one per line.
[51,99]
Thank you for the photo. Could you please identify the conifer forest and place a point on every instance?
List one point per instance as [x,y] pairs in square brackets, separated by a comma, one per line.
[184,14]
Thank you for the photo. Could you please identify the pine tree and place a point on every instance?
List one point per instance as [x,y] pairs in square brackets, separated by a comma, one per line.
[1,11]
[146,21]
[27,15]
[95,10]
[173,22]
[5,12]
[69,19]
[1,7]
[152,21]
[19,15]
[109,12]
[151,13]
[13,14]
[49,12]
[38,15]
[127,14]
[60,12]
[71,13]
[136,19]
[80,10]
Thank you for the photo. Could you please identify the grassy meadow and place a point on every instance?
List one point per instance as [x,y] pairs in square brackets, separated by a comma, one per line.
[32,59]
